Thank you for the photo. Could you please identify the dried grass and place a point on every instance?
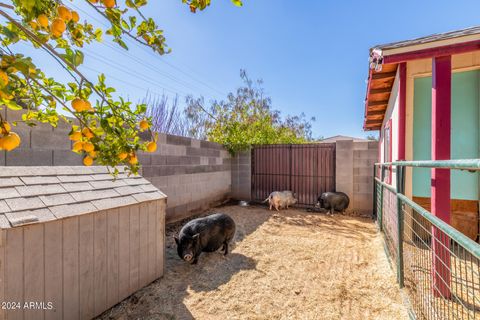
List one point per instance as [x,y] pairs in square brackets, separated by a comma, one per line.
[287,265]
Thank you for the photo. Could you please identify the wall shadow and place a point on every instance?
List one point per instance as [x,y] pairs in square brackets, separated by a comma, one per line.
[164,298]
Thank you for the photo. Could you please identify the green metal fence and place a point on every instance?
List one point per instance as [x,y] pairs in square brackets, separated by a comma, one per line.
[438,266]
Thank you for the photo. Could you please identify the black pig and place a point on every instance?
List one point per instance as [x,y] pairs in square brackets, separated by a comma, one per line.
[333,201]
[205,234]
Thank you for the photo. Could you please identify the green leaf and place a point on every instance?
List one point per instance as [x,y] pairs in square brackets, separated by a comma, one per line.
[78,58]
[11,104]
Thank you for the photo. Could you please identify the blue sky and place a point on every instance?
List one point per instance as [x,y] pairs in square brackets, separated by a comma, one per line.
[312,55]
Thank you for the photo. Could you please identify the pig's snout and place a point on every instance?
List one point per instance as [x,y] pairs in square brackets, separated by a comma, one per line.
[188,257]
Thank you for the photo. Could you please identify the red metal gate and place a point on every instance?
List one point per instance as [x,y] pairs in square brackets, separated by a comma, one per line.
[306,169]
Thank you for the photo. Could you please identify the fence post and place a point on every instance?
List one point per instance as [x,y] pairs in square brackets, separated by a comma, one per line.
[380,208]
[400,190]
[375,203]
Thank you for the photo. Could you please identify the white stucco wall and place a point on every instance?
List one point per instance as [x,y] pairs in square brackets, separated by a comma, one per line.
[391,113]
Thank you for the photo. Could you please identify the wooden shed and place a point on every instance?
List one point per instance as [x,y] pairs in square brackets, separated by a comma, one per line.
[74,242]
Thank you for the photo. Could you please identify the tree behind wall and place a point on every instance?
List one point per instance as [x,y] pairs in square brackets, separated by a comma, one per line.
[166,117]
[246,117]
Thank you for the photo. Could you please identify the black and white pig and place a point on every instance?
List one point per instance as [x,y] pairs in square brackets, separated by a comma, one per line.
[333,201]
[207,234]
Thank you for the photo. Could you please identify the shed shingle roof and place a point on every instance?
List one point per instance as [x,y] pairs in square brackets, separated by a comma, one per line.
[37,194]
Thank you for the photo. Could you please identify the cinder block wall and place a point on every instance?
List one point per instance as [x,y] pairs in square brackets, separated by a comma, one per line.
[354,173]
[41,145]
[194,174]
[242,176]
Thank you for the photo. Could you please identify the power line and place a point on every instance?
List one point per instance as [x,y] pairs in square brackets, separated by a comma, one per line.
[147,90]
[129,83]
[151,66]
[133,73]
[184,83]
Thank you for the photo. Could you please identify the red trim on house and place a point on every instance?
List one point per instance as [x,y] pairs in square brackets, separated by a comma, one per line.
[441,130]
[447,50]
[402,109]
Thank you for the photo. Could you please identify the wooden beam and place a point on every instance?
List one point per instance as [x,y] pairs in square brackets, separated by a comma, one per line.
[377,103]
[379,91]
[376,113]
[385,75]
[374,122]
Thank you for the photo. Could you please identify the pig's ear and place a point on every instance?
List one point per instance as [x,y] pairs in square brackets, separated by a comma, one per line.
[176,240]
[196,237]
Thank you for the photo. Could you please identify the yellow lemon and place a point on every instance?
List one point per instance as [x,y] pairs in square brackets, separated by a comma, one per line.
[76,136]
[87,133]
[42,20]
[152,146]
[122,155]
[5,127]
[88,161]
[133,159]
[109,3]
[4,95]
[79,105]
[77,146]
[58,27]
[3,79]
[143,125]
[88,146]
[10,141]
[64,13]
[88,106]
[33,25]
[75,16]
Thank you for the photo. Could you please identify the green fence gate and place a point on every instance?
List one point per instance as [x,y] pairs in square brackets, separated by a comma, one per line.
[438,266]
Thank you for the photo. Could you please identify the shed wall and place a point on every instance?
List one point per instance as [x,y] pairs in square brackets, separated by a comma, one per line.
[83,265]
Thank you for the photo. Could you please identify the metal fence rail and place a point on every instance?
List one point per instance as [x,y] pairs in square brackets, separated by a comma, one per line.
[438,266]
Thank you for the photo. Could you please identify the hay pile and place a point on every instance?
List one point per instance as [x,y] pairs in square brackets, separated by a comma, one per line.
[287,265]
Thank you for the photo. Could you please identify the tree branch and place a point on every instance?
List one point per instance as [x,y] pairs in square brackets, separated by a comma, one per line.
[4,5]
[121,28]
[52,51]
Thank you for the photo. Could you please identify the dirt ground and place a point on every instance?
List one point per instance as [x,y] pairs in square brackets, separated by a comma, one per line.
[287,265]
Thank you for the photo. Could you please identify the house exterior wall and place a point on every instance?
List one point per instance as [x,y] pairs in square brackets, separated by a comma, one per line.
[417,69]
[464,136]
[84,264]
